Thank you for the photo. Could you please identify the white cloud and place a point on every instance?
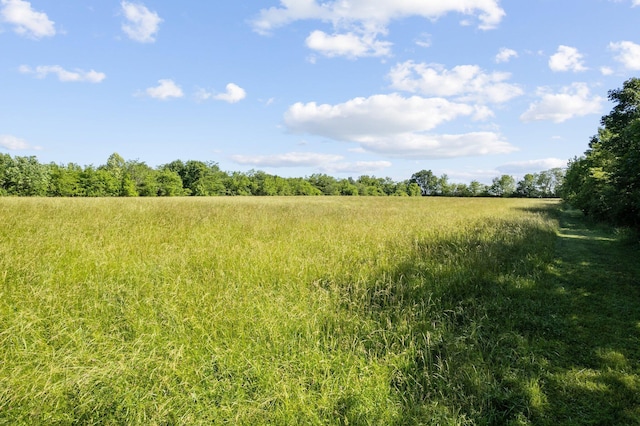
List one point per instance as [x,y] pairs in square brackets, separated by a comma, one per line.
[233,94]
[432,146]
[424,40]
[567,58]
[64,75]
[356,167]
[358,23]
[374,13]
[358,118]
[466,82]
[505,55]
[328,163]
[606,70]
[27,21]
[290,159]
[395,125]
[572,101]
[15,144]
[166,89]
[350,45]
[628,53]
[532,166]
[142,24]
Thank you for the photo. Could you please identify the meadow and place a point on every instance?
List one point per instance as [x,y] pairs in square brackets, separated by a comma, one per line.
[315,310]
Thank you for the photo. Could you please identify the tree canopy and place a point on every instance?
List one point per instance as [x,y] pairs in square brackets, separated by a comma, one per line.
[25,176]
[605,182]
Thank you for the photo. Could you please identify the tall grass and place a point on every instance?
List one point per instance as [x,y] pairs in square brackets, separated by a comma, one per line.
[272,310]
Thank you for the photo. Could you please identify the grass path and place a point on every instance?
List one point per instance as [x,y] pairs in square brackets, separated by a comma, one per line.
[594,375]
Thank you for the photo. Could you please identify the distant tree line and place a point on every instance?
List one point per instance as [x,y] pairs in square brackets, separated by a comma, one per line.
[605,182]
[25,176]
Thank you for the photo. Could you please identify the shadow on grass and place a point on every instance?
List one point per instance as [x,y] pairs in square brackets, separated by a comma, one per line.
[528,326]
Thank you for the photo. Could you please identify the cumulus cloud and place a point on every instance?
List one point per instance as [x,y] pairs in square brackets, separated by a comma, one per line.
[26,21]
[166,89]
[505,55]
[433,146]
[350,45]
[532,166]
[141,24]
[374,13]
[567,58]
[76,75]
[572,101]
[233,94]
[358,23]
[396,126]
[15,144]
[465,82]
[628,54]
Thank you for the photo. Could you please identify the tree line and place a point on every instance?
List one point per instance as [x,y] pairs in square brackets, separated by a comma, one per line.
[26,176]
[605,182]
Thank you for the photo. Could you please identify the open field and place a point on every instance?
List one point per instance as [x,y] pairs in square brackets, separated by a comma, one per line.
[391,311]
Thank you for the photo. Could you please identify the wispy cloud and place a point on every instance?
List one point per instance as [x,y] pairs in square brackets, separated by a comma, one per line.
[359,24]
[290,159]
[64,75]
[15,144]
[141,24]
[532,166]
[26,21]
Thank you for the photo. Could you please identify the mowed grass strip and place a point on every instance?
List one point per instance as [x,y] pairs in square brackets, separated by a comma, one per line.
[284,311]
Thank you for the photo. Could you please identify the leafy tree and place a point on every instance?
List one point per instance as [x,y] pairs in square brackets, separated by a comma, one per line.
[65,180]
[24,176]
[528,187]
[477,189]
[605,182]
[328,185]
[169,183]
[427,182]
[503,186]
[143,178]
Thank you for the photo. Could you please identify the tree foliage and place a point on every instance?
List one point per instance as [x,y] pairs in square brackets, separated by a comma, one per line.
[25,176]
[605,182]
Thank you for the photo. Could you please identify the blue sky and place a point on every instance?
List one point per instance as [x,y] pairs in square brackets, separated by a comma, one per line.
[470,88]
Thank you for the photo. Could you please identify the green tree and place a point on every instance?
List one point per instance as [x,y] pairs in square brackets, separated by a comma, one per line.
[427,182]
[169,183]
[528,186]
[65,180]
[503,186]
[328,185]
[24,176]
[605,182]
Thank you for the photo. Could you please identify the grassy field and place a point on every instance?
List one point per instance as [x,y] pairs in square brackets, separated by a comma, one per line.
[358,311]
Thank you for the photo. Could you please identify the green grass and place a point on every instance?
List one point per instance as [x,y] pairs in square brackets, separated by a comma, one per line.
[360,311]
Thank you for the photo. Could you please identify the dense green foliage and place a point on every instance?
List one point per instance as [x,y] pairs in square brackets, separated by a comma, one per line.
[25,176]
[605,182]
[249,311]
